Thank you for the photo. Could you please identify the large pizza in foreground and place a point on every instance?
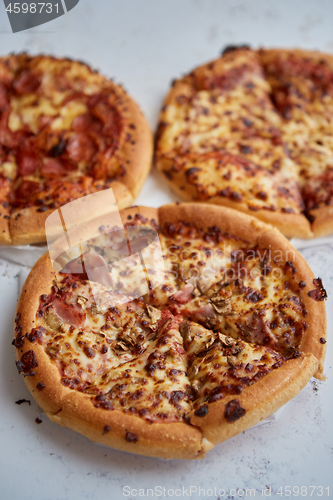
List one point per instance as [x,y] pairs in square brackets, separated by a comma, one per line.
[234,330]
[253,130]
[65,132]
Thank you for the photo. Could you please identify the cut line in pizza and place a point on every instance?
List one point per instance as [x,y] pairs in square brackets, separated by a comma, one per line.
[122,262]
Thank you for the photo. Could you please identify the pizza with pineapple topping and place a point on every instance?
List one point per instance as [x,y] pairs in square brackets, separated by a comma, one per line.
[65,132]
[231,327]
[253,130]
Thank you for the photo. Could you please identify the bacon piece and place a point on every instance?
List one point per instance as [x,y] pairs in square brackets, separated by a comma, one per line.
[87,122]
[26,83]
[81,148]
[56,167]
[184,295]
[68,313]
[95,269]
[138,244]
[28,162]
[108,115]
[206,311]
[24,192]
[75,267]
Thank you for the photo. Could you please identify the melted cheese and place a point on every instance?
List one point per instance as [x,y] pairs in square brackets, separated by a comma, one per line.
[68,114]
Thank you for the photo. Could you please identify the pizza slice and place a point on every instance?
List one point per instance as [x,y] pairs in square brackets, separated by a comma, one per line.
[261,291]
[237,384]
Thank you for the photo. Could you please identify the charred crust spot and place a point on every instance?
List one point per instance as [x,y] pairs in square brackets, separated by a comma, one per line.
[202,411]
[322,340]
[233,411]
[35,334]
[27,362]
[131,437]
[21,401]
[18,342]
[319,293]
[40,386]
[150,369]
[140,218]
[302,285]
[192,171]
[296,354]
[233,48]
[289,265]
[106,429]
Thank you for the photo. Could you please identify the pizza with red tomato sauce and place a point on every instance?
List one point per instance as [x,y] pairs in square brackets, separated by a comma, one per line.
[65,132]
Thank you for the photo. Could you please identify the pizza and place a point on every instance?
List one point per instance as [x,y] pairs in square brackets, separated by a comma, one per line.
[253,130]
[228,329]
[65,132]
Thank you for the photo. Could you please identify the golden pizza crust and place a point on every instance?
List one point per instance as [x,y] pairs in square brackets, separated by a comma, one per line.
[131,160]
[75,409]
[166,440]
[5,238]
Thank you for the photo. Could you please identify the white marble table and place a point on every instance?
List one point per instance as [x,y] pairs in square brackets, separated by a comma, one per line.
[144,44]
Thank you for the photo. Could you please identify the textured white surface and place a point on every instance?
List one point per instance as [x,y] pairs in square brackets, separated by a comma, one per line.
[146,43]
